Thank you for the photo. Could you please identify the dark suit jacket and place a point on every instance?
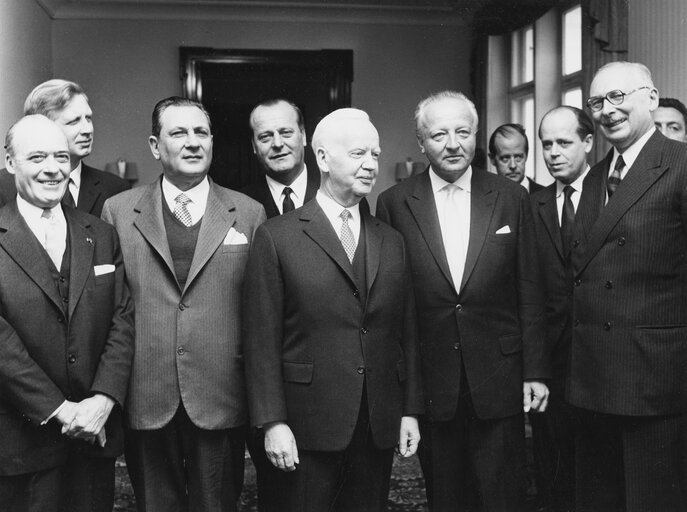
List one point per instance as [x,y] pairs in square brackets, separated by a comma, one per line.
[558,279]
[188,343]
[496,323]
[534,186]
[260,191]
[52,352]
[310,341]
[96,187]
[629,351]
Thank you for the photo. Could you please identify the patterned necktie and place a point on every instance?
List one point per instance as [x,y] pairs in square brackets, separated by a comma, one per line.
[180,210]
[68,198]
[51,240]
[346,235]
[567,219]
[614,177]
[287,204]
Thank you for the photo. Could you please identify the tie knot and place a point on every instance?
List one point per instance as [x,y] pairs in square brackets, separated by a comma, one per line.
[345,215]
[182,199]
[619,163]
[47,214]
[288,191]
[568,191]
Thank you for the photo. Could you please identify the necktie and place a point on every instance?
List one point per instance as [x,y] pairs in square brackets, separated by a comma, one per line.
[614,177]
[567,219]
[51,240]
[68,198]
[287,204]
[346,235]
[180,210]
[455,246]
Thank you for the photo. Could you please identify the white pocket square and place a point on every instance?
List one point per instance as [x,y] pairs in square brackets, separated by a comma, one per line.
[103,269]
[503,231]
[235,238]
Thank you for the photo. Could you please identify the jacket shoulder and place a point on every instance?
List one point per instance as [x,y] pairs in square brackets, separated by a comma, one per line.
[114,183]
[240,199]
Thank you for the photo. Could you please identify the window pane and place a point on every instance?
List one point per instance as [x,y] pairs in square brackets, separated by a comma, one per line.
[573,97]
[515,58]
[572,40]
[528,54]
[522,111]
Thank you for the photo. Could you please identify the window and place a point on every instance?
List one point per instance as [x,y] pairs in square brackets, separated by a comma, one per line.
[571,56]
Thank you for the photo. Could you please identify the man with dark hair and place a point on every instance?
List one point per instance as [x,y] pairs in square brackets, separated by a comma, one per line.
[670,118]
[480,308]
[629,336]
[67,333]
[279,145]
[567,136]
[185,242]
[66,103]
[508,150]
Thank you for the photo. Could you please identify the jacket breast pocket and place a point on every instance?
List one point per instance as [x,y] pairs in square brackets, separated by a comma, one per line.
[298,372]
[104,278]
[230,248]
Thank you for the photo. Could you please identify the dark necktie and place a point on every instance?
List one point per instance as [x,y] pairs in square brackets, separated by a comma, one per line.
[287,205]
[567,219]
[68,198]
[614,177]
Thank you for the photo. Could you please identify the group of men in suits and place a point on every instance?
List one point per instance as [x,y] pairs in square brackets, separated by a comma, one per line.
[431,328]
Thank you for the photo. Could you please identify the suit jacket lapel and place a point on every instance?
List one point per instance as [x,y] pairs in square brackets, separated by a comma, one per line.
[319,229]
[81,258]
[21,244]
[639,178]
[373,244]
[150,223]
[482,201]
[424,210]
[271,209]
[218,218]
[548,211]
[89,191]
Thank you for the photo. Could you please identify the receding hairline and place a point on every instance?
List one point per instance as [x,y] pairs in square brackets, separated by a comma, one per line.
[638,68]
[422,106]
[31,119]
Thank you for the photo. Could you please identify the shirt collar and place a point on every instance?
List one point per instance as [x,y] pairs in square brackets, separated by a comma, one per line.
[75,175]
[631,153]
[438,183]
[32,213]
[198,194]
[298,185]
[332,209]
[576,185]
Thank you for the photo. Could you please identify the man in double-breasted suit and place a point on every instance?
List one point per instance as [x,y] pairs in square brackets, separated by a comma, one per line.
[66,103]
[629,347]
[472,249]
[330,341]
[567,136]
[66,331]
[185,242]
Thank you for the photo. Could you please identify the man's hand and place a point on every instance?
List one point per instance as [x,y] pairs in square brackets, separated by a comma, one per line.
[535,396]
[409,437]
[66,414]
[280,446]
[89,419]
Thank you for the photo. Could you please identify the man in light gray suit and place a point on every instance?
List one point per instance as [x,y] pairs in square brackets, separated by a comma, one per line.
[185,242]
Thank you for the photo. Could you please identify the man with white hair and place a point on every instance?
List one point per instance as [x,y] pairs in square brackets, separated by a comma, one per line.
[329,335]
[629,338]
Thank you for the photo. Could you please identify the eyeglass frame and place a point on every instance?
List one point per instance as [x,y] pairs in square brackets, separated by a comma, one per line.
[599,100]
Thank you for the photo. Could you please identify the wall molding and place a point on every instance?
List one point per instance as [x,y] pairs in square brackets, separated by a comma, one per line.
[459,15]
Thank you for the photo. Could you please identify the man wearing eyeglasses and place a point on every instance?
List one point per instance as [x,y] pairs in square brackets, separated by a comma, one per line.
[508,149]
[629,350]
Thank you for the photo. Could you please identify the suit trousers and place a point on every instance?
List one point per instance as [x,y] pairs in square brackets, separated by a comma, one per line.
[181,467]
[354,480]
[471,464]
[82,484]
[629,463]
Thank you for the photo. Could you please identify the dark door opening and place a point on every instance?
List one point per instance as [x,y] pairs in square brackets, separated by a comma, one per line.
[230,82]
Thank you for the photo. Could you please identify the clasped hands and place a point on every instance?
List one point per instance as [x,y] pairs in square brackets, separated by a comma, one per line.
[86,419]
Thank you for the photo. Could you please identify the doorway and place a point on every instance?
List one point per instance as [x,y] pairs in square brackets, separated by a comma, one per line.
[230,83]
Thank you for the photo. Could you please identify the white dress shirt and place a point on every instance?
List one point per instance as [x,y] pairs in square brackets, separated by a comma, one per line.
[574,197]
[333,210]
[453,207]
[298,187]
[52,233]
[198,196]
[75,183]
[631,153]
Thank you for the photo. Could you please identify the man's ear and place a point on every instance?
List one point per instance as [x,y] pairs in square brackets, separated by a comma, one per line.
[588,143]
[154,149]
[9,163]
[305,138]
[322,158]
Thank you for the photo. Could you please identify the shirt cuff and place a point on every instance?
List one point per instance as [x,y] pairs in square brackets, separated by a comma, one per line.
[55,412]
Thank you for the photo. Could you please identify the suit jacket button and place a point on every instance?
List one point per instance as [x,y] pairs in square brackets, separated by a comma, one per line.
[361,370]
[60,320]
[575,243]
[609,285]
[65,299]
[459,307]
[576,322]
[181,351]
[182,306]
[578,282]
[71,359]
[607,326]
[621,241]
[363,330]
[356,293]
[456,346]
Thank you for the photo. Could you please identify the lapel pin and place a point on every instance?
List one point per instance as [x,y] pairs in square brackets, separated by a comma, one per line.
[89,240]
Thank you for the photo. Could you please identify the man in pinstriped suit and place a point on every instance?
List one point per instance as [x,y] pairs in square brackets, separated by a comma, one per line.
[628,372]
[185,242]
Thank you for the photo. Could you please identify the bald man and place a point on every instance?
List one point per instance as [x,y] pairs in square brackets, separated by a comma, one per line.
[331,356]
[66,330]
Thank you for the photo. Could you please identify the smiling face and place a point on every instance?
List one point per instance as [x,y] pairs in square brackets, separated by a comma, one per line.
[448,135]
[565,153]
[278,141]
[76,121]
[624,124]
[349,160]
[670,123]
[39,160]
[184,146]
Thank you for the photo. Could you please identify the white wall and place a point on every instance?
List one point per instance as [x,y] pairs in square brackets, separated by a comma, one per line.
[25,58]
[126,66]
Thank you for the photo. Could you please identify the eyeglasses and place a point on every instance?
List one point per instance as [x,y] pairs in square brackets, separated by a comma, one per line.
[615,97]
